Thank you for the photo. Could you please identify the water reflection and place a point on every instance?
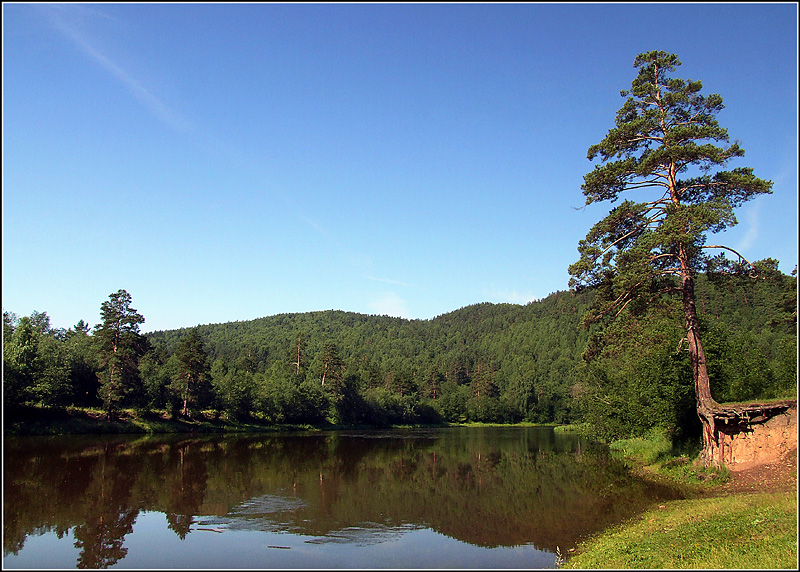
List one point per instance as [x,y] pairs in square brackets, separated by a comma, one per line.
[487,487]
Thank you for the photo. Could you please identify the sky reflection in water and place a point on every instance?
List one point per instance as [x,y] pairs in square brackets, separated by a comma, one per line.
[409,547]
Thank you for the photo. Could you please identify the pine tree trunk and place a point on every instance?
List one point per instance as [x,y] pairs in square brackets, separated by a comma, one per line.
[702,383]
[112,391]
[185,412]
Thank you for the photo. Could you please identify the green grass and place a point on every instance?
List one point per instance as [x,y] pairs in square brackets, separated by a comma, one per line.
[83,420]
[655,446]
[738,531]
[482,424]
[40,420]
[742,531]
[579,428]
[654,455]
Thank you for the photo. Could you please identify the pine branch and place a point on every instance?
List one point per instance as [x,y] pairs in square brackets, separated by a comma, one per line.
[753,270]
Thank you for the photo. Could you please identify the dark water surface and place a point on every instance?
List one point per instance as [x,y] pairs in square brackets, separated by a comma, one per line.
[488,497]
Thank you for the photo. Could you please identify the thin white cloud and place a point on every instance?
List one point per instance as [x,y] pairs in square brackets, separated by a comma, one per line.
[511,296]
[387,281]
[60,20]
[315,225]
[389,304]
[752,219]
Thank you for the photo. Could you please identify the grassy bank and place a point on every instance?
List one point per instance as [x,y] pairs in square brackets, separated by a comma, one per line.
[86,420]
[737,531]
[707,530]
[74,420]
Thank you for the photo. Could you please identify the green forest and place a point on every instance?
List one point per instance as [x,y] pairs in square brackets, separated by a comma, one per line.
[501,363]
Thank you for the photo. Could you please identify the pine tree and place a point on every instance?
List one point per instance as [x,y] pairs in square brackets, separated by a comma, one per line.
[298,356]
[191,377]
[642,251]
[332,368]
[119,347]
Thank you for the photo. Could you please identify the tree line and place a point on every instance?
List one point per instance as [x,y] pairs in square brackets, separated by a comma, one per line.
[486,362]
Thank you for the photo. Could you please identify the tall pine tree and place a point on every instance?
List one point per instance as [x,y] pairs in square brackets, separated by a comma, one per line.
[666,142]
[192,375]
[119,347]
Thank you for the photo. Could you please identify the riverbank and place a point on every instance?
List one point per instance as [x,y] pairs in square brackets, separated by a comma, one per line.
[32,421]
[747,521]
[83,420]
[86,420]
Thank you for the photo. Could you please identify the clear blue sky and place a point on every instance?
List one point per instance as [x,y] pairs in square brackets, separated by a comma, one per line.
[225,162]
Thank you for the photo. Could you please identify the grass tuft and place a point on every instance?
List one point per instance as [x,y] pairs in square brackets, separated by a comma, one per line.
[650,449]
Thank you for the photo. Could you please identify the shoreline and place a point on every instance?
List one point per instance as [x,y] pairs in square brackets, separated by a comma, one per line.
[48,421]
[712,527]
[732,524]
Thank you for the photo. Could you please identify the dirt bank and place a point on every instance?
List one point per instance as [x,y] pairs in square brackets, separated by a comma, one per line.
[776,475]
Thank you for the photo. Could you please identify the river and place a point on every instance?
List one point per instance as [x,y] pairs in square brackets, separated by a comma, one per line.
[485,497]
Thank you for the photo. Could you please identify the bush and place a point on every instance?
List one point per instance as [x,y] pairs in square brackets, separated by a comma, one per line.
[650,448]
[452,403]
[425,412]
[644,381]
[739,371]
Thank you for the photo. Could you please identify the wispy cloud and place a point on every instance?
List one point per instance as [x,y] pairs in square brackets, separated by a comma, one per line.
[321,230]
[387,281]
[390,304]
[752,220]
[63,18]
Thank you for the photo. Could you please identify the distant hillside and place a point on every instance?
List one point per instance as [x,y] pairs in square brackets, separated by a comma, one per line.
[526,357]
[484,362]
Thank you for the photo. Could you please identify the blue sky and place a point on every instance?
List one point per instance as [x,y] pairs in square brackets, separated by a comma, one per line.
[225,162]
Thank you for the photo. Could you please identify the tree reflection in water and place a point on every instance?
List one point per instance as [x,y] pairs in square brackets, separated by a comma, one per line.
[489,487]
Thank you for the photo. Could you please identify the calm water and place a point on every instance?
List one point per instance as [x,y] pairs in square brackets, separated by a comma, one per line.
[434,498]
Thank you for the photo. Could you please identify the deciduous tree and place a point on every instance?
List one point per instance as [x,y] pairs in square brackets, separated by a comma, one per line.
[20,348]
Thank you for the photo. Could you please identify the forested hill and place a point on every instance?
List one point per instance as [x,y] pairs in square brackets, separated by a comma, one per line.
[477,331]
[482,362]
[486,362]
[526,354]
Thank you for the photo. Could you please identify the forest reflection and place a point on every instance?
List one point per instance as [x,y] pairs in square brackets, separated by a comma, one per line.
[488,487]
